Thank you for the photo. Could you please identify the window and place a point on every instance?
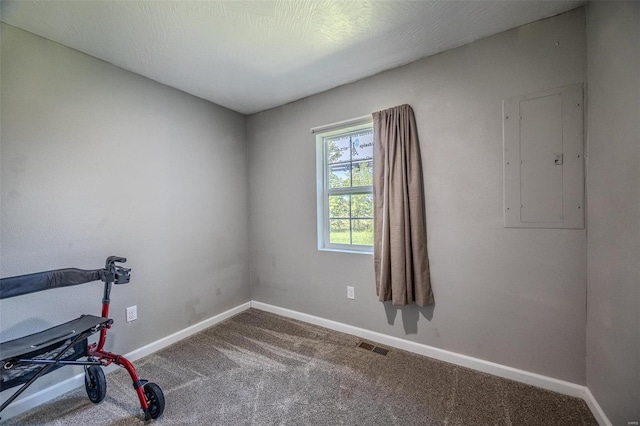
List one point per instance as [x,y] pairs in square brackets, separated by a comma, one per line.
[345,187]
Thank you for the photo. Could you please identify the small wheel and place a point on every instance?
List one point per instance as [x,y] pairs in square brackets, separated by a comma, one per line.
[155,399]
[95,383]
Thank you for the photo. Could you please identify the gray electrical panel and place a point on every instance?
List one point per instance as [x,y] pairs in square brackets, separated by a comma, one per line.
[543,159]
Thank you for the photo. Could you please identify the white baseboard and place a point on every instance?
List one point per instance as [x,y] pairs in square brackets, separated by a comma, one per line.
[182,334]
[522,376]
[31,401]
[28,402]
[596,410]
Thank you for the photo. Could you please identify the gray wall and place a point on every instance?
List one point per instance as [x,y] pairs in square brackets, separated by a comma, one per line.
[98,161]
[511,296]
[613,194]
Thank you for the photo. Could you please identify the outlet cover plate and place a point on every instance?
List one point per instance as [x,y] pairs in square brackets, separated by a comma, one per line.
[350,292]
[132,313]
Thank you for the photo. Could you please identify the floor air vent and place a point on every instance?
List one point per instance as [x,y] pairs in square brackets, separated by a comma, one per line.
[381,351]
[366,346]
[372,348]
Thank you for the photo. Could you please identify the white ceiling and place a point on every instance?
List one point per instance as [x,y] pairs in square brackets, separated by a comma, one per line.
[253,55]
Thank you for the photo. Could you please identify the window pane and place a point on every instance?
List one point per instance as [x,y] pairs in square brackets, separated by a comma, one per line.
[363,173]
[339,232]
[362,205]
[362,231]
[339,206]
[346,217]
[362,146]
[339,175]
[337,150]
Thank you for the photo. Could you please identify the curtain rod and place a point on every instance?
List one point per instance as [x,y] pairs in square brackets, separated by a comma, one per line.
[343,123]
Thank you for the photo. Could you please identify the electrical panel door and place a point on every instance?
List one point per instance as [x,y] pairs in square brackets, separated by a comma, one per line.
[543,159]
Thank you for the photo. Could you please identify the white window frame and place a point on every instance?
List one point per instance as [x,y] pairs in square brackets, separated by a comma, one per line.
[321,133]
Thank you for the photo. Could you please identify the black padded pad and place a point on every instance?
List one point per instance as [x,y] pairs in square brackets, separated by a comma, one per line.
[18,348]
[31,283]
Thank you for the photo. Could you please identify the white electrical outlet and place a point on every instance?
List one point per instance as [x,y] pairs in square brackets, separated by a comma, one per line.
[350,292]
[132,313]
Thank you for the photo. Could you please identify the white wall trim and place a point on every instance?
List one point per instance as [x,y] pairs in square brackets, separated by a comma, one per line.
[31,401]
[28,402]
[522,376]
[595,408]
[344,123]
[182,334]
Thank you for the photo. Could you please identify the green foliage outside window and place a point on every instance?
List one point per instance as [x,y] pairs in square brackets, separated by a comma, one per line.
[350,215]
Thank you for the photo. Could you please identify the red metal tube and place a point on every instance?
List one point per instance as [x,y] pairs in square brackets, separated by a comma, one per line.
[103,332]
[126,364]
[98,352]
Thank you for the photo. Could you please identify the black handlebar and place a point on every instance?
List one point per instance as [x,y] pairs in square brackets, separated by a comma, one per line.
[115,273]
[31,283]
[113,259]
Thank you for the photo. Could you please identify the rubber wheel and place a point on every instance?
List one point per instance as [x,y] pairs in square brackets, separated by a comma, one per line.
[155,399]
[95,383]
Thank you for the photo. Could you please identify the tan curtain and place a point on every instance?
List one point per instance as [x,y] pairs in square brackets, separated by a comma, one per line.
[400,235]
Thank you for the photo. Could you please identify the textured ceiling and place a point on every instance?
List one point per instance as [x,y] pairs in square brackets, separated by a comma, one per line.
[253,55]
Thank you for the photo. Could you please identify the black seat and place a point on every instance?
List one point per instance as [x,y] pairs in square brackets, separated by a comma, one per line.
[22,347]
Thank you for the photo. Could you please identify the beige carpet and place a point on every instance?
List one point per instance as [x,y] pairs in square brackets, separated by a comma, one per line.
[262,369]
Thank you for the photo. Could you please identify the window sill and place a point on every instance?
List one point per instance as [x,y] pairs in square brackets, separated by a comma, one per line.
[337,250]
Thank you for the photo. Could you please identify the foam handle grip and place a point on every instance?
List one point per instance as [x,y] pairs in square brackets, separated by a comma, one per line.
[31,283]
